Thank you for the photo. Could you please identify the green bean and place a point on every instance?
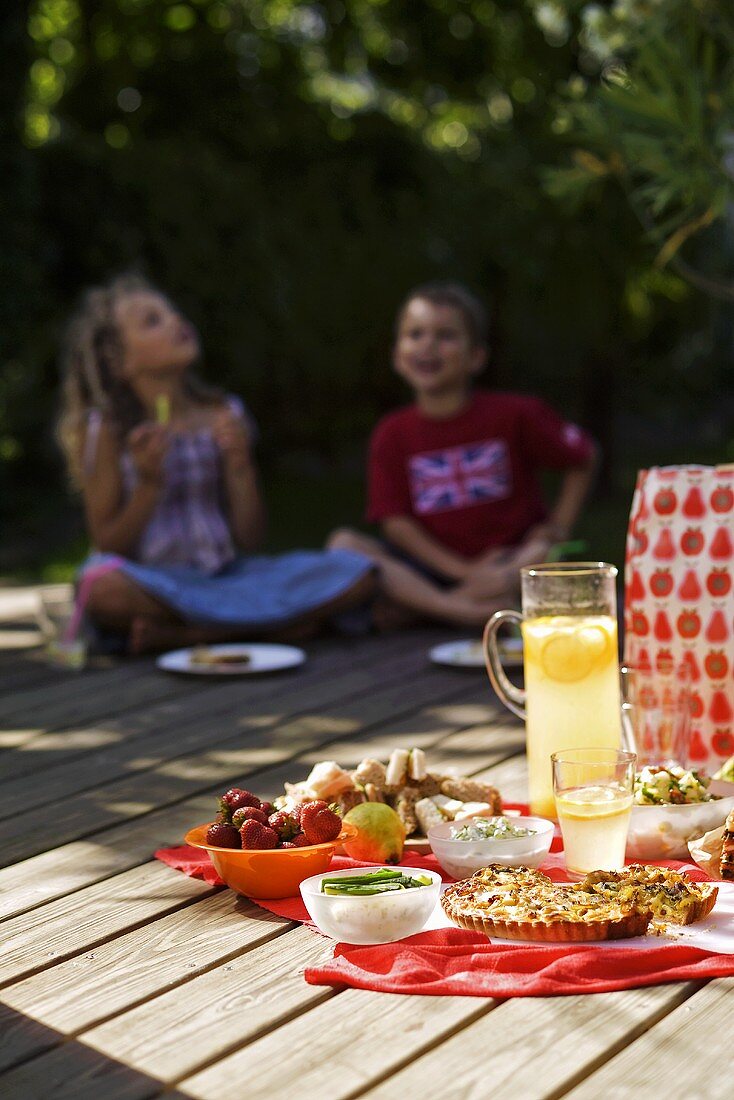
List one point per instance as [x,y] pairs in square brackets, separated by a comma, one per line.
[363,890]
[383,875]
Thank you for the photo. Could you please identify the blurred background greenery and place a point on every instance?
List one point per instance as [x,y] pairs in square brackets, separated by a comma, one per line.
[287,170]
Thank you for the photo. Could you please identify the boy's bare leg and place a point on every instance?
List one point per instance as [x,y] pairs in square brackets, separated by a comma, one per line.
[407,588]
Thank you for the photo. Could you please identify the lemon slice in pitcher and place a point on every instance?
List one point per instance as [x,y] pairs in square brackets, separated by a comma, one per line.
[571,655]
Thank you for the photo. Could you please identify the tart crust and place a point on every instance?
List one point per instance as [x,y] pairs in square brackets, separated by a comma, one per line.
[560,931]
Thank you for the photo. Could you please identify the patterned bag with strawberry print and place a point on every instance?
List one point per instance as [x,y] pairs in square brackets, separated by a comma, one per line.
[679,596]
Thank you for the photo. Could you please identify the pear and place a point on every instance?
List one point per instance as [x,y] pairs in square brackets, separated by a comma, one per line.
[380,833]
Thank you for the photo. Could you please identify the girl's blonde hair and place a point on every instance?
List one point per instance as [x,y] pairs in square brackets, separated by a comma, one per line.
[92,354]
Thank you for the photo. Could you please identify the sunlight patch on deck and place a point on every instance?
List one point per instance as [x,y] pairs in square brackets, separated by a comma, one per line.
[10,738]
[76,739]
[464,714]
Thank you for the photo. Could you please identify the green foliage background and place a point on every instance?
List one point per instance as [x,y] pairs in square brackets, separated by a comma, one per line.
[288,170]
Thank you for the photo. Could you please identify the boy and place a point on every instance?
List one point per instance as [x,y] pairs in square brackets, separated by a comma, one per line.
[452,478]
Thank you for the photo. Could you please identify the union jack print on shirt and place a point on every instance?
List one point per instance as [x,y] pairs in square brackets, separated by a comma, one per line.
[458,477]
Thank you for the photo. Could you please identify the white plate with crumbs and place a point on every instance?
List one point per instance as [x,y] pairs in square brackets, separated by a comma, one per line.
[469,653]
[235,659]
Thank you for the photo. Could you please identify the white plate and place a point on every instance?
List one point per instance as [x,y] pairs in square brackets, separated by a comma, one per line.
[714,933]
[262,658]
[469,653]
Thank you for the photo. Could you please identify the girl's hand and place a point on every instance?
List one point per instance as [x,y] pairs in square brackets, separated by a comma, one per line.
[148,444]
[233,439]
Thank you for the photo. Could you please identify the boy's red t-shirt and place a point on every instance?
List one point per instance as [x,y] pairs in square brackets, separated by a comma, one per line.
[471,480]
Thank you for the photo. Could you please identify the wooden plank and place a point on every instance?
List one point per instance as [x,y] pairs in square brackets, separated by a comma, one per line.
[53,874]
[77,698]
[200,695]
[687,1054]
[22,1037]
[54,932]
[509,1047]
[226,1007]
[24,746]
[339,1047]
[173,781]
[26,670]
[88,698]
[174,727]
[166,952]
[66,687]
[511,777]
[73,1071]
[110,701]
[70,698]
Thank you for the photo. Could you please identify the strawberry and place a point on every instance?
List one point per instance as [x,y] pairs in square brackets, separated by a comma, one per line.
[223,836]
[299,841]
[267,808]
[256,835]
[284,824]
[233,799]
[239,817]
[319,823]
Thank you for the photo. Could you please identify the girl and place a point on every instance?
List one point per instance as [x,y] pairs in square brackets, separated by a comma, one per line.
[171,492]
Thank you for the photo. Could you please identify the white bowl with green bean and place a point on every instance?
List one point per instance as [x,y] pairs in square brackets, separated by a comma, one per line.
[371,904]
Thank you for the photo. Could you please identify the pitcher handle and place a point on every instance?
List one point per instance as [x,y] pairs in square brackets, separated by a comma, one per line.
[629,741]
[513,697]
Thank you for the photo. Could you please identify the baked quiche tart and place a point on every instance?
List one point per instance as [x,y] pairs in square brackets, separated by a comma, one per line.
[670,896]
[726,865]
[522,904]
[519,903]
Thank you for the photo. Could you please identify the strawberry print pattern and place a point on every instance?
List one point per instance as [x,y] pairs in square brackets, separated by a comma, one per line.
[679,597]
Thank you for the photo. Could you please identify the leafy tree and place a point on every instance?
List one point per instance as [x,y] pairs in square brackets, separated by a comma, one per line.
[656,115]
[288,170]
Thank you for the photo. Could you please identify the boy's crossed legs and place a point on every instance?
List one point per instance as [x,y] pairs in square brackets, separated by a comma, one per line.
[405,595]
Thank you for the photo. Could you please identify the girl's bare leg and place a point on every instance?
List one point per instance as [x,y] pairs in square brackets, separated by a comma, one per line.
[115,601]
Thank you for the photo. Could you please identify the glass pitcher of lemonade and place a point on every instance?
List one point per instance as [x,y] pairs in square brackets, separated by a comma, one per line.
[572,696]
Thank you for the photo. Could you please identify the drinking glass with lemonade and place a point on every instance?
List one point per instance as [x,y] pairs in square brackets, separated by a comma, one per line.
[572,696]
[593,791]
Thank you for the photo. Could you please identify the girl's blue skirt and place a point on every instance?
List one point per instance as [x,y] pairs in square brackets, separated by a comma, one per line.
[258,591]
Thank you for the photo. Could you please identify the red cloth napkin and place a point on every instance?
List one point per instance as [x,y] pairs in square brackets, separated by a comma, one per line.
[451,961]
[454,962]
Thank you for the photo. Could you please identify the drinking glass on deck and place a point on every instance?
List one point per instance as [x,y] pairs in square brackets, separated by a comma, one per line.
[58,621]
[571,659]
[656,711]
[593,790]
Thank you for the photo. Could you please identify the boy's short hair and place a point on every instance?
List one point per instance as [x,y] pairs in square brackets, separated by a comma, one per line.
[474,314]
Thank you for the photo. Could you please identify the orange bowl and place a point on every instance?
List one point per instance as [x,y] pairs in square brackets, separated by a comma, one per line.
[270,873]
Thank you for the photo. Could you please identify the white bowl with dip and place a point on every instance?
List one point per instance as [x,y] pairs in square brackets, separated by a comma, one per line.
[461,858]
[375,918]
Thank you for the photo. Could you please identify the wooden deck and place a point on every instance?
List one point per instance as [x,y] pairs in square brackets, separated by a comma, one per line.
[121,979]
